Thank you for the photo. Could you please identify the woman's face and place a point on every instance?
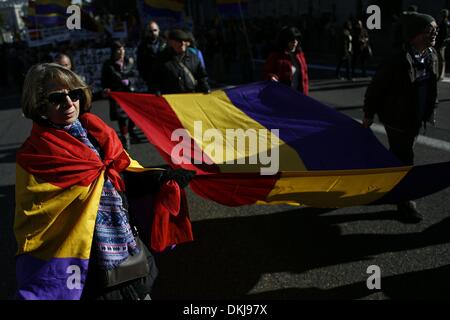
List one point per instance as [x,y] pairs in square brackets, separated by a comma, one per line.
[292,45]
[63,106]
[179,46]
[119,54]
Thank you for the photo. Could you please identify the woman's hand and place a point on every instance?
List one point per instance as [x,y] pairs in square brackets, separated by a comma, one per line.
[181,176]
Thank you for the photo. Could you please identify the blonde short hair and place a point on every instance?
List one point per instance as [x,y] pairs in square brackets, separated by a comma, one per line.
[34,95]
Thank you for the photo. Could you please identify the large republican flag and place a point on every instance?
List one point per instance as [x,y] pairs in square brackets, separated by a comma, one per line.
[326,159]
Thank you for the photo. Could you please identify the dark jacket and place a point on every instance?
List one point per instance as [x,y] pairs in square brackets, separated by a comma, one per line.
[112,78]
[279,65]
[393,93]
[147,58]
[442,38]
[172,78]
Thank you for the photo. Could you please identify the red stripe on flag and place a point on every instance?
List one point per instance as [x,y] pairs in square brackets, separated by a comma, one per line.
[155,117]
[234,189]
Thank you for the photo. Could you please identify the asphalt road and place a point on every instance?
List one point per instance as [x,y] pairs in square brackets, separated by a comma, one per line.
[281,252]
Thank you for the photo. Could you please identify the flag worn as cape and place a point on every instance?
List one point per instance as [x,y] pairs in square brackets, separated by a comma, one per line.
[59,181]
[326,159]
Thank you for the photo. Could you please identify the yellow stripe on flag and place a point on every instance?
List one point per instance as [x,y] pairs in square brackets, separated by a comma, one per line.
[52,222]
[335,189]
[228,116]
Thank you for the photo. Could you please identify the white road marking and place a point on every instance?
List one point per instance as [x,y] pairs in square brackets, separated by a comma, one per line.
[427,141]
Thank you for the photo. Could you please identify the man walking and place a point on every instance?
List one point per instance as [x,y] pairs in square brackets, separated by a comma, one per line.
[148,53]
[179,70]
[403,93]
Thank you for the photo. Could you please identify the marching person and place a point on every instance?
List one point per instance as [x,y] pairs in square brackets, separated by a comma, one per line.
[149,50]
[180,70]
[345,50]
[442,41]
[116,74]
[403,93]
[287,63]
[362,50]
[74,234]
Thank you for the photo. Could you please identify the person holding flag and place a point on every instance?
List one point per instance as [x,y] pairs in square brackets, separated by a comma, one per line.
[75,235]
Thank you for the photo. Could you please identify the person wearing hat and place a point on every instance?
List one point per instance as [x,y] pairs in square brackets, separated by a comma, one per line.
[413,8]
[442,40]
[180,70]
[403,93]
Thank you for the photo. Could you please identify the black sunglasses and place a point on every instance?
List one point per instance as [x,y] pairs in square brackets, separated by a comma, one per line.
[60,97]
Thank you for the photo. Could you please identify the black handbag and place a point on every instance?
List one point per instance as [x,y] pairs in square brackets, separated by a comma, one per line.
[135,267]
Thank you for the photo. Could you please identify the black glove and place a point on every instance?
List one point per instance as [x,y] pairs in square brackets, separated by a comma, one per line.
[138,184]
[181,176]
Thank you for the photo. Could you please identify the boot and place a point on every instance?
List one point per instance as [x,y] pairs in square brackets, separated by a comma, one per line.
[407,212]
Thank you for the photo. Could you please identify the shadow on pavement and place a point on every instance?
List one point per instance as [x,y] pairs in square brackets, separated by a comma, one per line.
[8,155]
[230,255]
[426,284]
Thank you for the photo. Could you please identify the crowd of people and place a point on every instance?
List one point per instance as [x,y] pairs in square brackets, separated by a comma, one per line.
[403,93]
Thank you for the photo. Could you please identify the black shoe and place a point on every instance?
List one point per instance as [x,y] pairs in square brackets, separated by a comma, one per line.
[407,212]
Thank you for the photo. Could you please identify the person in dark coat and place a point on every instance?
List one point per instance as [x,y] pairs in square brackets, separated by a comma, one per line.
[404,91]
[287,63]
[361,48]
[149,49]
[442,41]
[179,70]
[116,74]
[345,50]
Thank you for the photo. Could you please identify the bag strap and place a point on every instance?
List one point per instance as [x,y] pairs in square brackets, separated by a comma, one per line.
[188,72]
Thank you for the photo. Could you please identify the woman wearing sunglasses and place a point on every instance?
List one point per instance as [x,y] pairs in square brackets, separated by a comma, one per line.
[71,224]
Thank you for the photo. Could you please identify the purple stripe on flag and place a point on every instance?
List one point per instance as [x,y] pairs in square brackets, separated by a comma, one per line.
[324,138]
[55,279]
[420,181]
